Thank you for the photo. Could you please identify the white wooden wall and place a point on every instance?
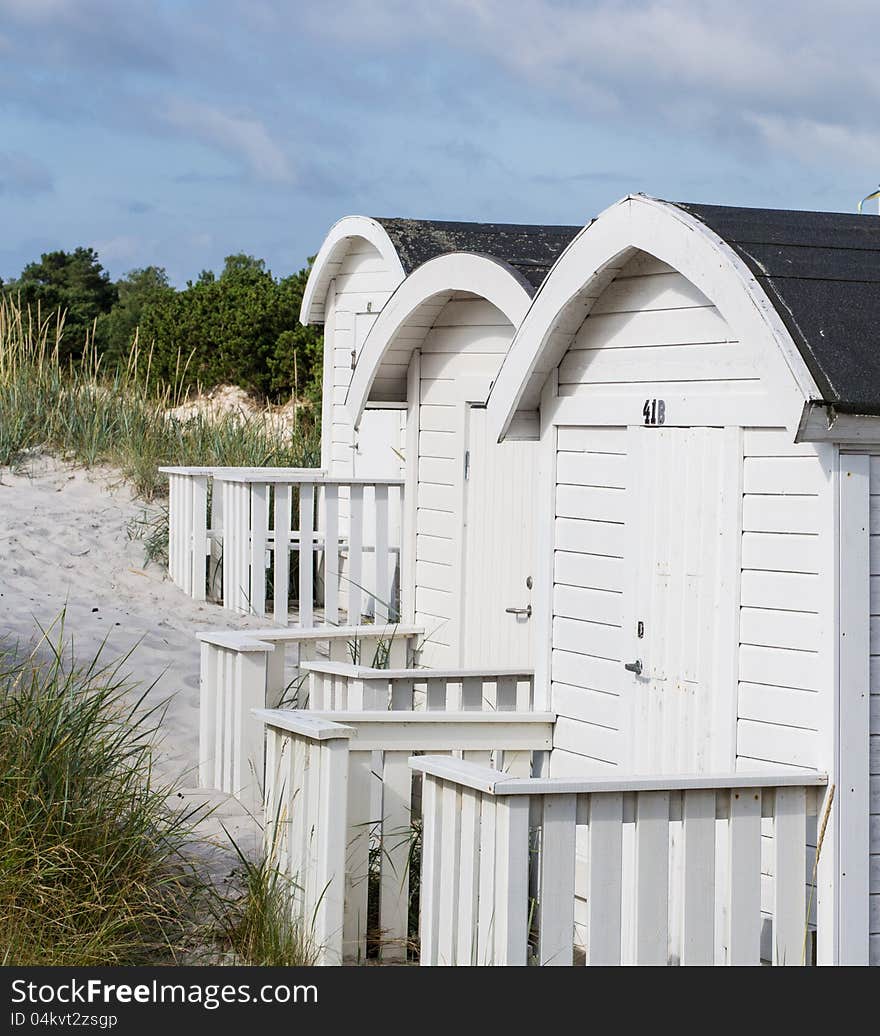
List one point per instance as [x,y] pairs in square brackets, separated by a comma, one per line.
[874,914]
[651,331]
[356,295]
[780,672]
[460,354]
[588,583]
[649,334]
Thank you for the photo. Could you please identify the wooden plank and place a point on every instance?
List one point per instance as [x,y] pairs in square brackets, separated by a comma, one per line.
[487,901]
[780,552]
[789,907]
[781,514]
[395,853]
[604,891]
[588,502]
[698,927]
[355,553]
[781,476]
[701,362]
[652,878]
[744,878]
[651,327]
[596,440]
[856,642]
[784,590]
[258,541]
[780,667]
[357,859]
[447,900]
[668,291]
[331,554]
[774,442]
[281,567]
[469,879]
[588,604]
[511,881]
[590,571]
[589,537]
[382,556]
[431,876]
[306,557]
[590,469]
[556,893]
[776,628]
[208,678]
[198,578]
[588,638]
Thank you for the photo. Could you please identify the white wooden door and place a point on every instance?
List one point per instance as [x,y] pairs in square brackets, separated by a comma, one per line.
[681,611]
[499,483]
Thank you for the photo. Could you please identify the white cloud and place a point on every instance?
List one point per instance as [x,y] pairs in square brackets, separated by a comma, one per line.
[243,138]
[821,144]
[23,176]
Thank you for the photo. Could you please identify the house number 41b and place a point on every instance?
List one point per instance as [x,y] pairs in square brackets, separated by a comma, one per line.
[654,411]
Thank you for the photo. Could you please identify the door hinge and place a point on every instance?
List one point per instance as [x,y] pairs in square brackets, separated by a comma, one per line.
[467,465]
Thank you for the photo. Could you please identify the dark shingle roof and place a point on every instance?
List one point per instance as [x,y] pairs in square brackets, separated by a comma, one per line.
[530,250]
[821,271]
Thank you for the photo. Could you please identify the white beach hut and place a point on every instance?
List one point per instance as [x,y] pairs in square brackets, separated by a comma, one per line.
[706,385]
[434,348]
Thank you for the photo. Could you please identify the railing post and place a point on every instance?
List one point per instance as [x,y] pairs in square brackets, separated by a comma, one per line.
[250,694]
[511,880]
[556,892]
[199,538]
[330,878]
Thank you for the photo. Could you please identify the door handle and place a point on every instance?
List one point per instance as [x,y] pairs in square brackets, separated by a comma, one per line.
[634,667]
[527,611]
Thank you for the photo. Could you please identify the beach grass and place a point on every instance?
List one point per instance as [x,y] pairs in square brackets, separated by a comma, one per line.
[94,867]
[98,865]
[83,413]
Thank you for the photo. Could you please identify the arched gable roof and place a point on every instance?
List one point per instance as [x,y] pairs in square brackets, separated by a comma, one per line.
[333,251]
[405,244]
[686,242]
[424,293]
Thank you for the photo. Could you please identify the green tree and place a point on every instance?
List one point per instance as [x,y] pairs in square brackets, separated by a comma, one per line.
[74,282]
[240,327]
[135,291]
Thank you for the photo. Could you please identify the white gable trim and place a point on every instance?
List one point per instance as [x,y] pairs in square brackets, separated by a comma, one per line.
[593,258]
[438,279]
[332,252]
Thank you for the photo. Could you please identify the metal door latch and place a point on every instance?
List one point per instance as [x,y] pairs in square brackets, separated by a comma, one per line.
[527,611]
[634,667]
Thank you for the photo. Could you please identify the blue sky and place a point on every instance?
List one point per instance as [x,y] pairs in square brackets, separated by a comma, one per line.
[175,133]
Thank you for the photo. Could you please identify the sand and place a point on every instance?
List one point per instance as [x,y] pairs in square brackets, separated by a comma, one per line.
[65,545]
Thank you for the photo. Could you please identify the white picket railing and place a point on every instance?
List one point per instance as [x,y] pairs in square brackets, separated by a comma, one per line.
[305,825]
[336,540]
[339,685]
[250,669]
[374,799]
[670,867]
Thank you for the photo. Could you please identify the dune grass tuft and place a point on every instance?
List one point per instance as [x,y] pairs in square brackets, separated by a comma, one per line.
[89,415]
[93,867]
[262,929]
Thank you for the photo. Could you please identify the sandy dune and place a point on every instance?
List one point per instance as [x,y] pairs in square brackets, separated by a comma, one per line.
[64,543]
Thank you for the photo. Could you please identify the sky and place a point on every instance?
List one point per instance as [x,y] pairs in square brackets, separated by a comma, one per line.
[176,132]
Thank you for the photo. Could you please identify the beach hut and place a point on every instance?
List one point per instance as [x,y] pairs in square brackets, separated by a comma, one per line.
[432,349]
[704,387]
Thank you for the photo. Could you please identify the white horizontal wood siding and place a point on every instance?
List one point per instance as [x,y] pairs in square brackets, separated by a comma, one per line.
[588,587]
[360,289]
[467,340]
[652,333]
[780,670]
